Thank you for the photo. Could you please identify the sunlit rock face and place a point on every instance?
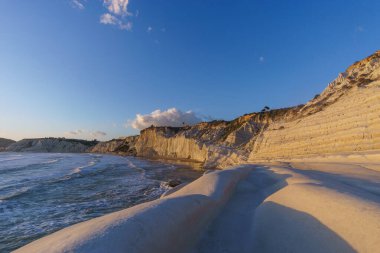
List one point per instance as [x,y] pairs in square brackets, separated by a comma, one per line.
[345,117]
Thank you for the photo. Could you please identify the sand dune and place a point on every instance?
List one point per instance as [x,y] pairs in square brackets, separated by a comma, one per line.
[286,206]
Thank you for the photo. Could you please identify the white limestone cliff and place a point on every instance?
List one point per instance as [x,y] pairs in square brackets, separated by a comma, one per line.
[343,118]
[51,145]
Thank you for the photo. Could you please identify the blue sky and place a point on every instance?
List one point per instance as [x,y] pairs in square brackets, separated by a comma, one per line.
[84,69]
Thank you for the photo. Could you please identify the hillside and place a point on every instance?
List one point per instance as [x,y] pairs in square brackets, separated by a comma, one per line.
[343,118]
[4,143]
[52,145]
[121,146]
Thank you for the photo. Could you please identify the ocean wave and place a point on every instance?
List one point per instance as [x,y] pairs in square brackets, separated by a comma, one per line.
[52,161]
[80,168]
[16,193]
[131,164]
[45,197]
[12,158]
[165,186]
[135,167]
[157,190]
[28,167]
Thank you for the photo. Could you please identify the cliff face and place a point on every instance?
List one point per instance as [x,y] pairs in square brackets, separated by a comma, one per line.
[345,117]
[51,145]
[122,146]
[4,143]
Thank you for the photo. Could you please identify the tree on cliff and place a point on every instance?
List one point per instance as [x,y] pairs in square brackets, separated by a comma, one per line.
[265,109]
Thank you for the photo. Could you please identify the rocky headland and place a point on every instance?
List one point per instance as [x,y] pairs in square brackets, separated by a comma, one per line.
[343,118]
[51,145]
[4,143]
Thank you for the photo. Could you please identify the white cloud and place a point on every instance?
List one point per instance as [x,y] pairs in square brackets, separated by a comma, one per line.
[126,26]
[149,29]
[261,59]
[117,7]
[117,13]
[170,117]
[109,19]
[77,4]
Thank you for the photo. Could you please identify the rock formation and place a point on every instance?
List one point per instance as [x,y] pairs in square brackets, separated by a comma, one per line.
[53,145]
[4,143]
[121,146]
[345,117]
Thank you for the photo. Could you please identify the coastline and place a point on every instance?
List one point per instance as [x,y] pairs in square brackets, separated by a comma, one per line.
[56,190]
[299,206]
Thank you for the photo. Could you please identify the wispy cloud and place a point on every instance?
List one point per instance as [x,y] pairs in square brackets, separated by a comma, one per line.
[170,117]
[261,59]
[149,29]
[117,7]
[109,19]
[117,14]
[78,4]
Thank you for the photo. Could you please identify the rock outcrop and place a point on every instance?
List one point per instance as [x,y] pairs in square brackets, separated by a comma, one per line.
[121,146]
[52,145]
[4,143]
[345,117]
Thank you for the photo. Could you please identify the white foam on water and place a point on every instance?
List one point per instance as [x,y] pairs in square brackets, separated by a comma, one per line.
[80,168]
[16,193]
[51,161]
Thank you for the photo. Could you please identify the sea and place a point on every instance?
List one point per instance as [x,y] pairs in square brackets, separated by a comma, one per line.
[42,193]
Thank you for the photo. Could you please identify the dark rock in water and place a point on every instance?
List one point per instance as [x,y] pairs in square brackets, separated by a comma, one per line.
[174,182]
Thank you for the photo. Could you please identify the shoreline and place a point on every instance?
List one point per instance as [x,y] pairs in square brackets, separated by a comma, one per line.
[303,207]
[71,188]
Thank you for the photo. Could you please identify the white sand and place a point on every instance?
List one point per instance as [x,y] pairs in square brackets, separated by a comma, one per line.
[305,205]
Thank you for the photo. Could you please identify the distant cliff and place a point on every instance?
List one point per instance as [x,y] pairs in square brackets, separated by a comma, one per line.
[4,143]
[122,146]
[345,117]
[52,145]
